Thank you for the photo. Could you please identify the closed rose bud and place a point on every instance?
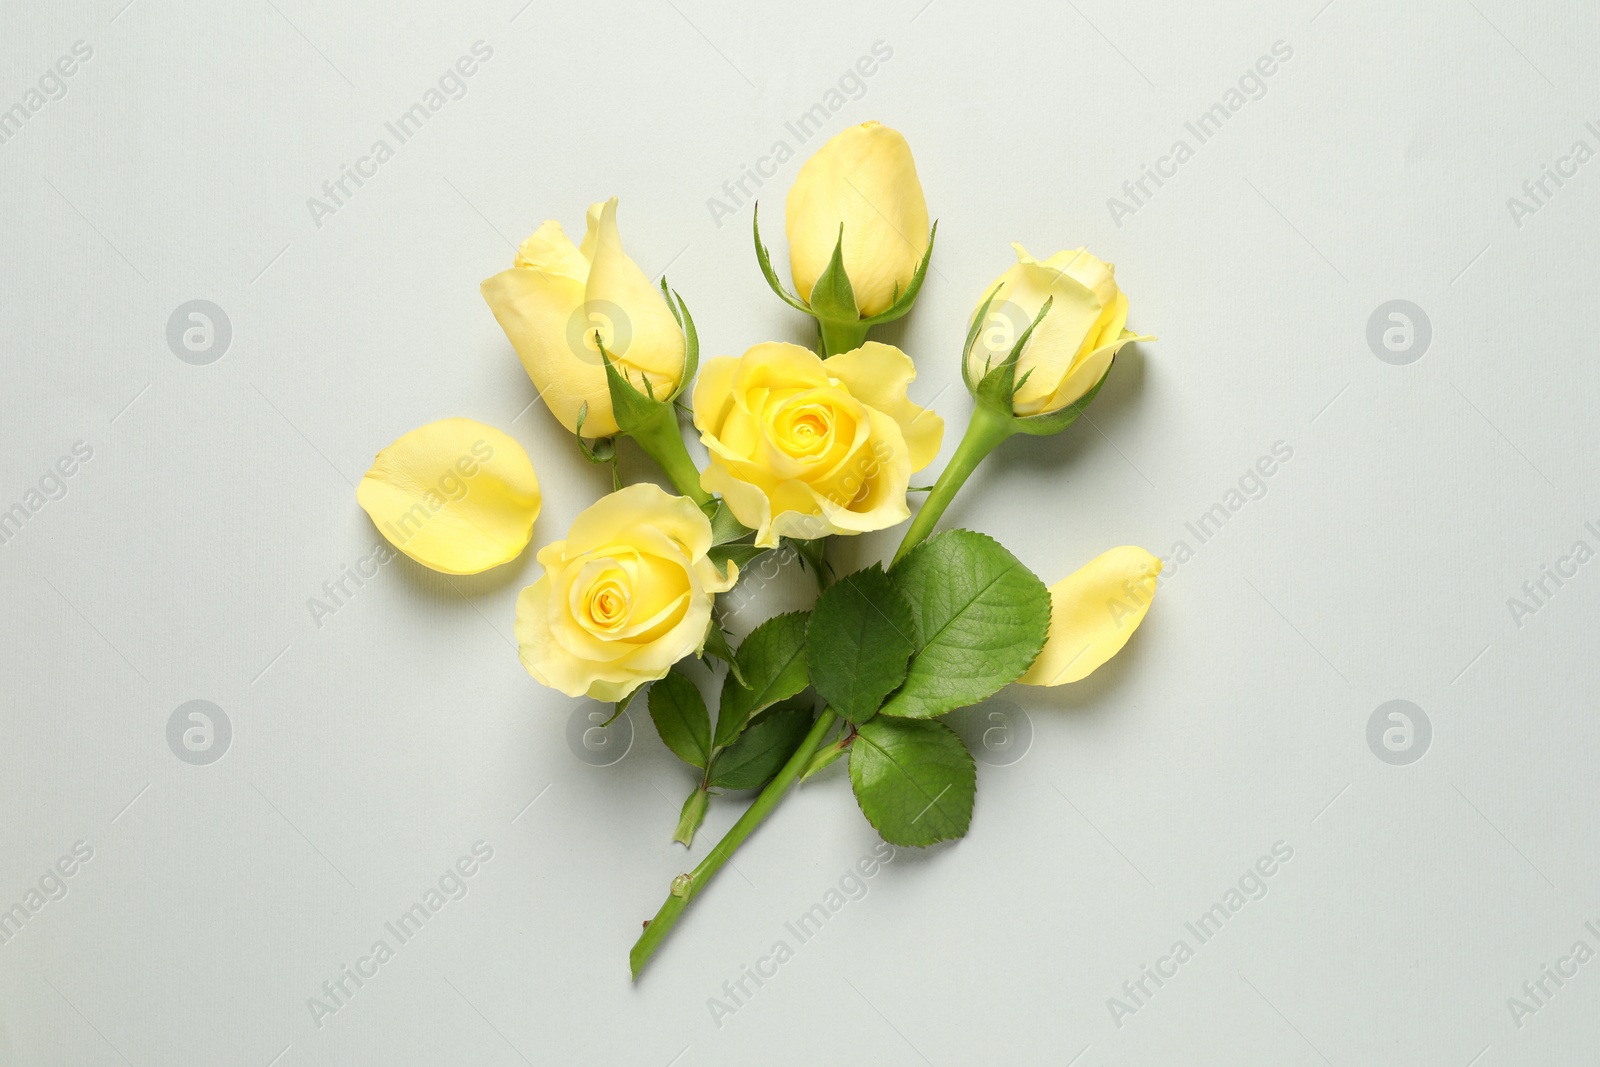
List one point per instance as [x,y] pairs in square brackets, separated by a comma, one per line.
[865,180]
[557,297]
[1072,347]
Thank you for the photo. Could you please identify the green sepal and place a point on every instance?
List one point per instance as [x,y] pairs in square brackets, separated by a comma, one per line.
[1055,421]
[691,339]
[765,259]
[999,386]
[716,645]
[634,411]
[603,450]
[739,554]
[813,553]
[832,297]
[973,331]
[904,300]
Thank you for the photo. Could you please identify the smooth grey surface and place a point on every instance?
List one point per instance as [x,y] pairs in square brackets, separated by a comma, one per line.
[367,754]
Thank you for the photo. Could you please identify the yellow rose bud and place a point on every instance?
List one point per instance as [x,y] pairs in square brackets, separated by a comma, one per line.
[865,179]
[804,447]
[455,495]
[1071,350]
[1093,612]
[623,598]
[556,298]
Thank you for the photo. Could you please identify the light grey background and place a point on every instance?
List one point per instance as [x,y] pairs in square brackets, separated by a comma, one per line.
[371,751]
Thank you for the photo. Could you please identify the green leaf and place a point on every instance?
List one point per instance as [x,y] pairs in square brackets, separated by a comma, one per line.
[813,554]
[831,296]
[915,781]
[765,259]
[858,642]
[773,662]
[762,750]
[981,619]
[724,527]
[681,719]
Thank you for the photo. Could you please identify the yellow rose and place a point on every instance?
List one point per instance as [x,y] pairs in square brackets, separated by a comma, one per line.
[623,598]
[865,179]
[455,495]
[803,447]
[1093,612]
[554,300]
[1072,348]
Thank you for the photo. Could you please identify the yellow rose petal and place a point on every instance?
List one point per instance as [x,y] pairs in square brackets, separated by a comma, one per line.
[1093,612]
[455,495]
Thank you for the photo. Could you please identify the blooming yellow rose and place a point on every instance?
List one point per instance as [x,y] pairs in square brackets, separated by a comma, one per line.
[455,495]
[865,179]
[803,447]
[1072,348]
[556,298]
[623,598]
[1093,612]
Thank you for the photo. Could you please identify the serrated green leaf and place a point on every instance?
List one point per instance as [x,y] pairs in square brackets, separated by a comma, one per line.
[981,618]
[681,719]
[761,750]
[858,642]
[915,781]
[773,662]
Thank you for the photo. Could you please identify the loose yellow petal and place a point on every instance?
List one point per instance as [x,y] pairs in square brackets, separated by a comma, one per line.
[455,495]
[1093,612]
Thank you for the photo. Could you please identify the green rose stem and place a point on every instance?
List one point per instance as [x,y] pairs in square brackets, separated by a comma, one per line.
[840,335]
[985,431]
[662,440]
[686,886]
